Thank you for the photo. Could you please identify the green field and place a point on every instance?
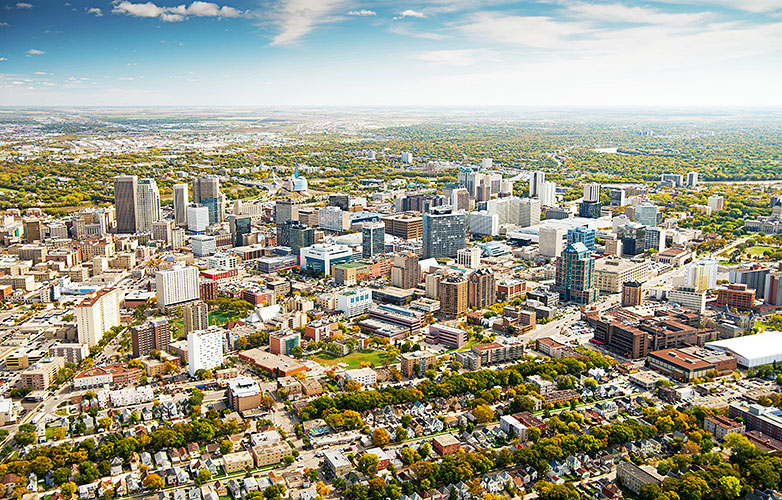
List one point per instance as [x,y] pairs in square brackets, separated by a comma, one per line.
[353,359]
[760,249]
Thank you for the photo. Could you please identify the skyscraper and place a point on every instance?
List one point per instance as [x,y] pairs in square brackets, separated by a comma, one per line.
[148,199]
[180,204]
[547,192]
[373,239]
[536,179]
[94,316]
[204,349]
[529,212]
[176,286]
[197,218]
[481,288]
[125,196]
[583,235]
[443,232]
[285,210]
[646,214]
[550,239]
[692,179]
[196,316]
[206,191]
[405,272]
[575,275]
[154,334]
[453,295]
[295,235]
[592,192]
[239,226]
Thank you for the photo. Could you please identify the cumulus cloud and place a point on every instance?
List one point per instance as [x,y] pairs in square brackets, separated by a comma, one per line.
[3,58]
[410,13]
[296,18]
[35,52]
[175,14]
[24,5]
[4,25]
[362,13]
[95,11]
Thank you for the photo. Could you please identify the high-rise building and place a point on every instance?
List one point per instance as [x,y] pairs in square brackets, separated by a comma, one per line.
[548,194]
[486,163]
[197,218]
[591,192]
[529,212]
[284,342]
[632,294]
[590,209]
[206,191]
[295,235]
[584,235]
[484,223]
[469,257]
[339,200]
[460,199]
[618,197]
[153,334]
[773,291]
[443,232]
[181,200]
[239,226]
[716,203]
[96,315]
[204,349]
[646,214]
[148,199]
[125,196]
[333,219]
[453,295]
[575,275]
[373,239]
[754,277]
[481,288]
[405,272]
[551,241]
[675,180]
[285,210]
[163,231]
[702,275]
[176,286]
[692,179]
[195,316]
[536,179]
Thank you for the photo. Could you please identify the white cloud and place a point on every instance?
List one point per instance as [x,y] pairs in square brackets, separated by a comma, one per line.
[175,14]
[460,57]
[754,6]
[362,13]
[4,25]
[41,73]
[400,29]
[410,13]
[3,58]
[296,18]
[35,52]
[620,13]
[526,31]
[24,5]
[95,11]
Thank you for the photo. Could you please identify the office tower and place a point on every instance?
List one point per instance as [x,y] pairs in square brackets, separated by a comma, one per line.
[483,191]
[481,289]
[32,229]
[443,232]
[692,179]
[776,201]
[197,218]
[403,226]
[180,204]
[285,210]
[151,335]
[125,196]
[583,235]
[333,219]
[617,197]
[206,191]
[453,295]
[472,180]
[589,209]
[407,157]
[239,226]
[148,200]
[506,188]
[716,203]
[702,275]
[654,239]
[592,192]
[176,286]
[646,214]
[675,180]
[203,244]
[575,275]
[204,349]
[486,163]
[753,276]
[295,235]
[405,272]
[373,239]
[460,199]
[529,212]
[284,342]
[632,294]
[163,231]
[550,239]
[484,224]
[96,315]
[548,194]
[494,181]
[469,257]
[633,236]
[536,180]
[339,200]
[196,316]
[772,294]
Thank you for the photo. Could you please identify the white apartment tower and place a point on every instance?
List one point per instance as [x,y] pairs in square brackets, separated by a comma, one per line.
[204,349]
[176,286]
[536,179]
[548,194]
[591,192]
[551,241]
[180,204]
[469,257]
[96,315]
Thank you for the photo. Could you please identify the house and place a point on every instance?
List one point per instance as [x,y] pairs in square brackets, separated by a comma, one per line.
[208,493]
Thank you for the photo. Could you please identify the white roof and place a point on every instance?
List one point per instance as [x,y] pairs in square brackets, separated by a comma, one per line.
[751,346]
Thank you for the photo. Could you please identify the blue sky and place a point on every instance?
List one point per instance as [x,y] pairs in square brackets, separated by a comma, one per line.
[351,52]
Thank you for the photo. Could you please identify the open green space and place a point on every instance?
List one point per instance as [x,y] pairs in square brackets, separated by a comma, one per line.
[353,360]
[218,318]
[760,249]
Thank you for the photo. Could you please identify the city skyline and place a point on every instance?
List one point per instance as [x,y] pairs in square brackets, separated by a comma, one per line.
[343,52]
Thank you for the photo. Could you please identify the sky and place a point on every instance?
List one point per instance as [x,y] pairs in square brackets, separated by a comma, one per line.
[714,53]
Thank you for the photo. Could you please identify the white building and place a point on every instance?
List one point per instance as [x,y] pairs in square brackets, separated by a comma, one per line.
[176,286]
[689,297]
[646,213]
[551,241]
[222,260]
[407,157]
[692,179]
[354,302]
[131,396]
[484,224]
[591,192]
[197,218]
[716,203]
[148,204]
[96,315]
[204,349]
[180,204]
[536,180]
[702,274]
[548,194]
[321,256]
[752,350]
[486,163]
[333,219]
[529,212]
[469,257]
[364,376]
[203,244]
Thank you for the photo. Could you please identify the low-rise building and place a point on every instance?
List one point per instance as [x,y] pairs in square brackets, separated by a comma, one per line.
[236,462]
[720,426]
[364,376]
[337,463]
[270,453]
[446,444]
[244,393]
[633,477]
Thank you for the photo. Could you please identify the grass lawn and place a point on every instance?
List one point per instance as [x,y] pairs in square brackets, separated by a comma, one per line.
[218,318]
[759,249]
[473,341]
[353,359]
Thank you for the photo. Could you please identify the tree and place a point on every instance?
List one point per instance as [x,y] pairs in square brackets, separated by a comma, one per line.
[731,486]
[321,488]
[226,446]
[274,492]
[533,434]
[368,463]
[68,489]
[380,437]
[649,491]
[483,414]
[203,477]
[41,465]
[153,482]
